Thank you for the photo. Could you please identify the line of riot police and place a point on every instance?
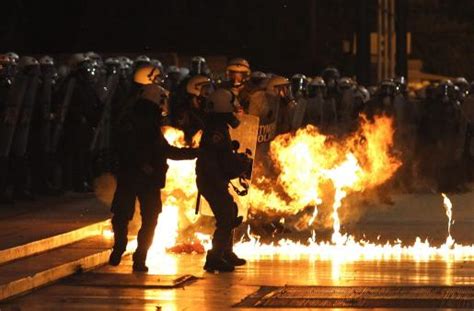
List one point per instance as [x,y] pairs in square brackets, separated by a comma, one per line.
[57,122]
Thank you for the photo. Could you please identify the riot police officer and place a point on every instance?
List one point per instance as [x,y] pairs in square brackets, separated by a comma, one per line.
[382,102]
[42,122]
[321,112]
[279,90]
[143,152]
[330,76]
[198,67]
[237,74]
[140,61]
[79,115]
[299,84]
[193,114]
[217,164]
[347,119]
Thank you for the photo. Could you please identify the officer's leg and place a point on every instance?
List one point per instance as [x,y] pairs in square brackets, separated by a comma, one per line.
[4,180]
[222,205]
[123,206]
[229,254]
[150,208]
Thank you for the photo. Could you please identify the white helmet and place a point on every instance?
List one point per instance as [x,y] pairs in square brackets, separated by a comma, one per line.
[142,59]
[173,69]
[26,61]
[157,63]
[13,56]
[363,94]
[346,83]
[157,95]
[77,58]
[112,61]
[276,83]
[318,81]
[222,101]
[46,61]
[196,84]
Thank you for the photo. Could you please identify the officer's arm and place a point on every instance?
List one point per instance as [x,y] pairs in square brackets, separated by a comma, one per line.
[176,153]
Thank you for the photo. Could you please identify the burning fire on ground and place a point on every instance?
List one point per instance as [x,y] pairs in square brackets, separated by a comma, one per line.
[312,172]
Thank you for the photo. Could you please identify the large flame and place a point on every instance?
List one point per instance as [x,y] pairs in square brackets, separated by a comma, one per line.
[311,170]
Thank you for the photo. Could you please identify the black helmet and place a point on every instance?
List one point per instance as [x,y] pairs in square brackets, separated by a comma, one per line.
[330,76]
[299,83]
[199,66]
[387,88]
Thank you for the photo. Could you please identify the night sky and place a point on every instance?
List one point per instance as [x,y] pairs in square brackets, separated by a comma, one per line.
[275,34]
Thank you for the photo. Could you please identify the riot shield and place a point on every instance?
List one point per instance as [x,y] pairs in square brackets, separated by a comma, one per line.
[299,113]
[9,121]
[101,139]
[266,109]
[58,130]
[45,102]
[246,133]
[20,140]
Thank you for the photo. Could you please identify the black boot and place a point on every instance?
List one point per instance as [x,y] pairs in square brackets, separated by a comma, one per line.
[115,257]
[233,259]
[139,260]
[216,262]
[139,266]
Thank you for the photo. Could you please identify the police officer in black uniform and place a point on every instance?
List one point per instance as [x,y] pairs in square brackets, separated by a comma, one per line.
[217,164]
[143,151]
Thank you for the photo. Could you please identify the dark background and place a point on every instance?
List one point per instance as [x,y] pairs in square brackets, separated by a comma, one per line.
[284,36]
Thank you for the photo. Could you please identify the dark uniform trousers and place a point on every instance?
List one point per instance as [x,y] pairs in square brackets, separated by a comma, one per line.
[225,211]
[123,208]
[216,166]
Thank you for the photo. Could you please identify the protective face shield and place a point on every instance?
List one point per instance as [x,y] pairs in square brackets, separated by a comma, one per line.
[112,65]
[387,88]
[362,94]
[317,87]
[14,57]
[47,66]
[29,65]
[316,91]
[88,71]
[257,77]
[345,84]
[330,76]
[200,87]
[238,72]
[141,61]
[198,66]
[237,78]
[463,85]
[400,84]
[6,66]
[299,83]
[46,61]
[279,86]
[284,91]
[445,91]
[157,95]
[223,103]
